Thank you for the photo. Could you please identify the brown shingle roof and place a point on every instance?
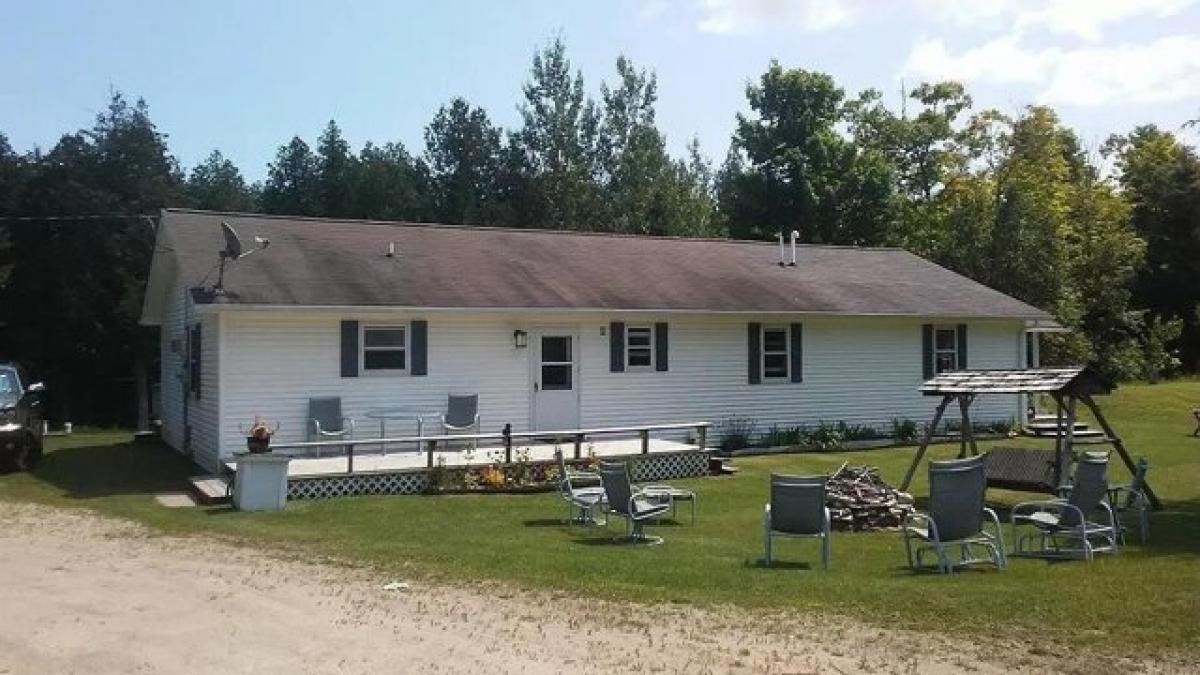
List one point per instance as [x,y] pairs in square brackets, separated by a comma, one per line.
[1073,379]
[319,262]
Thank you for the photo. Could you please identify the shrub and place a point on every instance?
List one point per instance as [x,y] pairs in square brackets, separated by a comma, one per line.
[735,433]
[1001,427]
[783,436]
[857,432]
[904,431]
[826,436]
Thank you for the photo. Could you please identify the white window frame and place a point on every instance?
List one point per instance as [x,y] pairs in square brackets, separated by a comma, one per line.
[649,348]
[953,349]
[787,353]
[363,349]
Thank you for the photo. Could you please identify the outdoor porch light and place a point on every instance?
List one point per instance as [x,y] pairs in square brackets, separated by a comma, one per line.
[520,339]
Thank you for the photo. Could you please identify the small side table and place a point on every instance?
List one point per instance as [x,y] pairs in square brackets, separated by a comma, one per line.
[417,413]
[671,495]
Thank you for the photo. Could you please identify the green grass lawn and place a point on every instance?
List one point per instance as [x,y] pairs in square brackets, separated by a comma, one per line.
[1146,597]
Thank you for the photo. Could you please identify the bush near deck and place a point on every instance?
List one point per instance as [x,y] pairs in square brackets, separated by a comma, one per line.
[1145,597]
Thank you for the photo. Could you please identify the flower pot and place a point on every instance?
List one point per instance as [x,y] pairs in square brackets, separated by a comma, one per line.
[258,446]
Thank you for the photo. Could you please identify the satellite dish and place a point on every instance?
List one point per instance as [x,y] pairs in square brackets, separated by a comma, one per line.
[232,251]
[233,245]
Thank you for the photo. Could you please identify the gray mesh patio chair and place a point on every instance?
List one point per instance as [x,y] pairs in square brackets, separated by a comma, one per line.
[1131,498]
[462,415]
[797,509]
[579,478]
[1060,528]
[582,500]
[326,421]
[622,499]
[957,520]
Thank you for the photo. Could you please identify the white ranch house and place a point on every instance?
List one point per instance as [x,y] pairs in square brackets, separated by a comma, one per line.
[554,330]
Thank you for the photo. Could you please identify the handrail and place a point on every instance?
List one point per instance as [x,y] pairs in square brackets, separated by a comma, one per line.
[507,436]
[564,433]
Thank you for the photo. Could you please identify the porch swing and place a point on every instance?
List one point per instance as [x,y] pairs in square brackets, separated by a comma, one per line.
[1026,469]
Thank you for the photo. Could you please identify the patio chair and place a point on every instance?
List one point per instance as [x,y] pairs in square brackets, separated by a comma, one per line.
[957,518]
[1131,498]
[1061,527]
[326,420]
[797,509]
[462,415]
[582,500]
[624,500]
[578,477]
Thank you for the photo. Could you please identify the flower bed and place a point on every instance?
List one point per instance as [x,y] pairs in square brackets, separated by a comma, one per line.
[517,477]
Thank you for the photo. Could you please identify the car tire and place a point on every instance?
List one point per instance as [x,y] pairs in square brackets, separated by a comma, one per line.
[28,455]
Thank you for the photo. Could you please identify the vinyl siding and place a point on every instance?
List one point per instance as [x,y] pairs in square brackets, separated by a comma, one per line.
[861,370]
[275,362]
[202,414]
[171,383]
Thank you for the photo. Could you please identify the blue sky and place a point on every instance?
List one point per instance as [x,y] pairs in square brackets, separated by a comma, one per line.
[244,77]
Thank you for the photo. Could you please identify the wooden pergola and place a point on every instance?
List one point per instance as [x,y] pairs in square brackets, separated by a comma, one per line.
[1067,386]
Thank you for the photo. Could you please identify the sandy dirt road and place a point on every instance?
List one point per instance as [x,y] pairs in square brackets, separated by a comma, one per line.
[80,593]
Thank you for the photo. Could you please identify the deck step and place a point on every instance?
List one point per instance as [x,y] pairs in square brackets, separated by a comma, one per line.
[211,489]
[1052,432]
[1052,425]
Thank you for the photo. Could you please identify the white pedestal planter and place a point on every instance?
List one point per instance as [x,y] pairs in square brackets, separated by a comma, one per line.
[261,482]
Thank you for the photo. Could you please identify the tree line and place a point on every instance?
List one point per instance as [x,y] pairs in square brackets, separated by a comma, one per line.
[1107,239]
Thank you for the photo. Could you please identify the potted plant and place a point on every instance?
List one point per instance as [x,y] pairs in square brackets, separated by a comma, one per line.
[258,436]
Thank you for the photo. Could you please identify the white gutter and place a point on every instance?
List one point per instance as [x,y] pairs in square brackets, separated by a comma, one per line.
[391,309]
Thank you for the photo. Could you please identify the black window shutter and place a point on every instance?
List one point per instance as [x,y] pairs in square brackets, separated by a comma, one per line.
[349,349]
[616,347]
[197,352]
[1029,350]
[962,346]
[927,350]
[754,352]
[797,349]
[419,348]
[661,357]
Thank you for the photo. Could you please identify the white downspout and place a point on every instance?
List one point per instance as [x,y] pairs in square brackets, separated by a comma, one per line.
[782,251]
[795,236]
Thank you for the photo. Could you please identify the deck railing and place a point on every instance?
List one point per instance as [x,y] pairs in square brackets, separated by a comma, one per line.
[506,437]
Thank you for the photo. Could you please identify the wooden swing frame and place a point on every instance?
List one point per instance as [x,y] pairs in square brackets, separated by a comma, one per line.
[1067,386]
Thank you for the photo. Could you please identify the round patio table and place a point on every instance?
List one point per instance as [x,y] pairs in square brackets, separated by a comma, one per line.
[403,412]
[671,495]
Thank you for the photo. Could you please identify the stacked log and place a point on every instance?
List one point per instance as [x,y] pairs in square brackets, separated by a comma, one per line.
[859,500]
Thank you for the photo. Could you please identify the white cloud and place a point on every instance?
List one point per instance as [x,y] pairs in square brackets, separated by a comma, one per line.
[1167,69]
[1085,19]
[1072,63]
[750,16]
[1000,60]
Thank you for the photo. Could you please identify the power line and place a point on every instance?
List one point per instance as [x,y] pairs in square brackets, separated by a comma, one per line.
[93,216]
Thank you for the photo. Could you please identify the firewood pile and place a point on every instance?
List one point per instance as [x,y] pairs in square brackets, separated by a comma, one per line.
[858,499]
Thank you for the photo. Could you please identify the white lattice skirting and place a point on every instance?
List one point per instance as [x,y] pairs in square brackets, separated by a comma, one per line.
[643,469]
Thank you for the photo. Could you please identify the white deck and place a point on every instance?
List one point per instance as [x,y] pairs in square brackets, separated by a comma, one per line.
[369,458]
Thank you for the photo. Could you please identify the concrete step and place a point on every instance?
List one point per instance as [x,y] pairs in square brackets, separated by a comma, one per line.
[211,489]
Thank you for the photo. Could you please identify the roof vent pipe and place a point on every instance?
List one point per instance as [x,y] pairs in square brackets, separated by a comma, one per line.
[795,236]
[782,251]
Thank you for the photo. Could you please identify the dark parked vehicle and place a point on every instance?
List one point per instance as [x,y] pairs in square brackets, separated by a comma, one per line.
[20,420]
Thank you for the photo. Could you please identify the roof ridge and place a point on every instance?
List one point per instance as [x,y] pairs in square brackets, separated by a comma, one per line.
[519,230]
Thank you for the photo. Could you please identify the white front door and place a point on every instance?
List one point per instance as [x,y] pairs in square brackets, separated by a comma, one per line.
[555,380]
